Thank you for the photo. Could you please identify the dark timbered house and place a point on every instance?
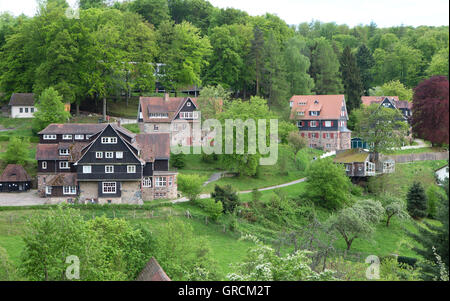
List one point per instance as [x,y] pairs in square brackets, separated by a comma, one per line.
[392,102]
[14,178]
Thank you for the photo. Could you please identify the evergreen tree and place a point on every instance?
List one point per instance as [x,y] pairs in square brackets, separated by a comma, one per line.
[227,195]
[177,160]
[433,236]
[256,55]
[365,61]
[351,79]
[297,65]
[325,66]
[416,201]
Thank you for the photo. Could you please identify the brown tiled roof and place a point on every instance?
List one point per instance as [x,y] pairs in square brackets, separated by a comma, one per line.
[47,152]
[76,150]
[153,146]
[368,100]
[22,99]
[152,272]
[62,179]
[159,105]
[329,106]
[82,128]
[14,173]
[403,104]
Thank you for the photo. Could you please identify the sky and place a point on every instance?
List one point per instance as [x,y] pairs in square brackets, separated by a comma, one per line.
[384,13]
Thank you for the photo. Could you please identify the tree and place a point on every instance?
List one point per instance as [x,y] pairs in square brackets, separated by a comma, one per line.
[183,254]
[382,128]
[430,110]
[153,11]
[284,130]
[177,160]
[394,88]
[365,62]
[394,207]
[327,184]
[86,4]
[297,66]
[227,196]
[212,100]
[256,56]
[50,109]
[296,141]
[416,201]
[183,53]
[357,221]
[351,79]
[434,236]
[263,264]
[325,69]
[191,185]
[435,196]
[17,151]
[212,208]
[439,63]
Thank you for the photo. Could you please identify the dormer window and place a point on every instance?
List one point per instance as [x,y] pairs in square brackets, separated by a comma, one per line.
[314,113]
[67,137]
[158,115]
[64,152]
[316,102]
[109,140]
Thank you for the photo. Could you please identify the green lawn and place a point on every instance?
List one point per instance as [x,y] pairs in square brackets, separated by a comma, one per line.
[416,151]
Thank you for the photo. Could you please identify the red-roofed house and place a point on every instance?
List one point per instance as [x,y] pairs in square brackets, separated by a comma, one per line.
[322,119]
[174,115]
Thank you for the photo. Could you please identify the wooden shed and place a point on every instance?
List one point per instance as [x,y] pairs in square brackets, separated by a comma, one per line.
[14,179]
[357,162]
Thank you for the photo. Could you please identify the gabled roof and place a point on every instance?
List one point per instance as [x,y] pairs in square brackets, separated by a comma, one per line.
[154,146]
[159,105]
[329,106]
[14,173]
[47,152]
[351,155]
[82,129]
[368,100]
[22,99]
[152,272]
[442,167]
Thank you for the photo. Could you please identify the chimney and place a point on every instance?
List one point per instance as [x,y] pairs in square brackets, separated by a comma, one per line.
[166,96]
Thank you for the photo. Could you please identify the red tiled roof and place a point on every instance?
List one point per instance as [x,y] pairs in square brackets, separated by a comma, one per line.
[159,105]
[14,173]
[329,106]
[153,272]
[153,146]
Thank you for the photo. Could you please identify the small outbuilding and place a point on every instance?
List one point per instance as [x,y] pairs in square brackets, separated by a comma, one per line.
[14,179]
[357,162]
[442,173]
[22,105]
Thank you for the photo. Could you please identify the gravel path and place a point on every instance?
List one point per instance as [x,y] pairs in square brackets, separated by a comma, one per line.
[28,198]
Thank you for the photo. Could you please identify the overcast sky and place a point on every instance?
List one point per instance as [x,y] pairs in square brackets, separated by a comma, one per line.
[351,12]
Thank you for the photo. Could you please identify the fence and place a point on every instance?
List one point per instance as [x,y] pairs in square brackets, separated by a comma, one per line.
[420,157]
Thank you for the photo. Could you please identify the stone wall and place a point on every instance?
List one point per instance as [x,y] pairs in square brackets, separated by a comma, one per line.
[130,193]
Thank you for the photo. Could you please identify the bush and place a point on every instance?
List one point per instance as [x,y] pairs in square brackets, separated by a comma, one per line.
[228,196]
[411,261]
[356,190]
[4,138]
[177,160]
[191,185]
[212,208]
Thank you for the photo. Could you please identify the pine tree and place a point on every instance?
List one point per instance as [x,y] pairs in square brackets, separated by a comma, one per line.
[351,79]
[177,160]
[417,201]
[256,55]
[433,236]
[365,61]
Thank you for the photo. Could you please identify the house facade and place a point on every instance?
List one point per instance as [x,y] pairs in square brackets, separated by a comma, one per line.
[322,120]
[177,116]
[392,102]
[22,105]
[103,163]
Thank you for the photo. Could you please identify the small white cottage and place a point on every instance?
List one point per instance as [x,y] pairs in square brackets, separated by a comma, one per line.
[442,173]
[22,105]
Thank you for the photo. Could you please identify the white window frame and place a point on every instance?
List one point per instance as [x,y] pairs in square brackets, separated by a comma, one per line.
[300,113]
[65,163]
[87,169]
[131,168]
[147,182]
[109,140]
[109,155]
[314,123]
[109,168]
[79,137]
[44,164]
[111,185]
[64,152]
[69,190]
[119,155]
[328,124]
[98,155]
[314,113]
[67,137]
[48,189]
[169,181]
[49,137]
[160,182]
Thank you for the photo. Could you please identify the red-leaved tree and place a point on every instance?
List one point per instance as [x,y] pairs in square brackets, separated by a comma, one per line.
[430,110]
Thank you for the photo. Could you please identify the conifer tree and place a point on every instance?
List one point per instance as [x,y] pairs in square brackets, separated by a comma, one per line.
[351,79]
[365,62]
[417,201]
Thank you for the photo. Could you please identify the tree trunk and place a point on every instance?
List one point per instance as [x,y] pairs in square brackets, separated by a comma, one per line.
[349,243]
[388,220]
[104,108]
[77,109]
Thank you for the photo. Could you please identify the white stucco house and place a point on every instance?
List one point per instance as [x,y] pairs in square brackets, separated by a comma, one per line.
[442,173]
[22,105]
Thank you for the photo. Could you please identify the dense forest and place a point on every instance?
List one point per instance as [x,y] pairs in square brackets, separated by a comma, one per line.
[110,47]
